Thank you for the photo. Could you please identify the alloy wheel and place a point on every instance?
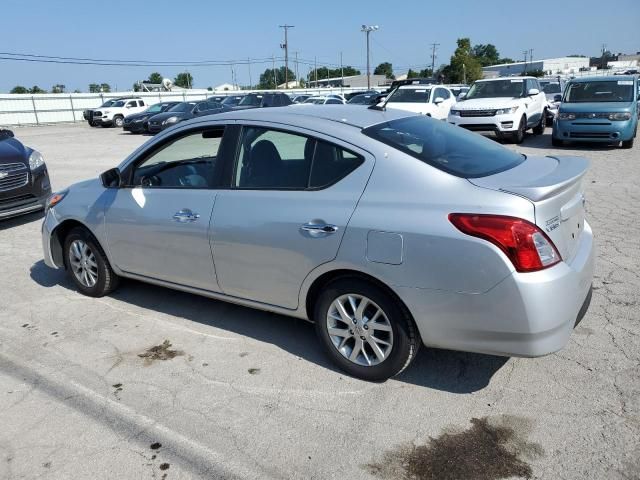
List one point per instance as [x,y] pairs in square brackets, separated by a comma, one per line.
[359,329]
[83,263]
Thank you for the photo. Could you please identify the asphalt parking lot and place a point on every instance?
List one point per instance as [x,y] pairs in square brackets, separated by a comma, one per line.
[153,383]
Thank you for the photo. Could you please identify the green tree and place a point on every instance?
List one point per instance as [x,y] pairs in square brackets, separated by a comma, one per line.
[505,60]
[535,73]
[184,80]
[270,78]
[464,67]
[155,77]
[486,54]
[575,55]
[412,74]
[58,88]
[385,69]
[94,88]
[105,87]
[425,73]
[77,91]
[19,89]
[36,89]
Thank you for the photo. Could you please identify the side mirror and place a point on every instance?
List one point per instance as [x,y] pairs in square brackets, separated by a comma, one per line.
[111,178]
[438,100]
[557,98]
[4,133]
[533,91]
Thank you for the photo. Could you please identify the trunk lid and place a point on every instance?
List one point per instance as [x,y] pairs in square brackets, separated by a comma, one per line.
[554,186]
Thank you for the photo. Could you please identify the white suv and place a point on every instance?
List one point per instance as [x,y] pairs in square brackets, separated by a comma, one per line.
[432,100]
[114,114]
[505,106]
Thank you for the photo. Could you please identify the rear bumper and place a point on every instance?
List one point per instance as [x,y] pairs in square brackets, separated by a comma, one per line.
[593,131]
[525,315]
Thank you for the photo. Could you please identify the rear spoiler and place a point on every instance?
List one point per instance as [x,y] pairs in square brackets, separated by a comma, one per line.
[537,179]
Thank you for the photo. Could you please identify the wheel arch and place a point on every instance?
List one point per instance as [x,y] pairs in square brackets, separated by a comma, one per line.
[328,277]
[57,239]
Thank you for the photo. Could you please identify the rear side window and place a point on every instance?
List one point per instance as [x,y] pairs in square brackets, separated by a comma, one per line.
[446,147]
[331,164]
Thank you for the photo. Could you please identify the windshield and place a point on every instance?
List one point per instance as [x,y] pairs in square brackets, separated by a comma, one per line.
[251,101]
[317,101]
[362,99]
[108,103]
[231,100]
[551,88]
[599,91]
[158,107]
[446,147]
[496,88]
[410,95]
[182,107]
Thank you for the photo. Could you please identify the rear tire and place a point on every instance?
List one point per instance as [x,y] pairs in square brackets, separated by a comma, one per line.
[539,128]
[88,265]
[118,121]
[373,343]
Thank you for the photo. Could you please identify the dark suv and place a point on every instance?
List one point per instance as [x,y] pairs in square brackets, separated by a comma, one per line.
[24,180]
[262,100]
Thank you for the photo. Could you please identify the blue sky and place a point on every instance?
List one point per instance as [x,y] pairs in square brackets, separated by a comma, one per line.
[192,30]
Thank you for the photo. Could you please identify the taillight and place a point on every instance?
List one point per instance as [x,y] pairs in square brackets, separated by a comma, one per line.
[528,248]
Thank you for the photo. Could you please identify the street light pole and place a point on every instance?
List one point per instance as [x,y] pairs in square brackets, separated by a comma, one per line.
[367,29]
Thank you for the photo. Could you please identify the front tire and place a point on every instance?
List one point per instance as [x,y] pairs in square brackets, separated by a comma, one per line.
[518,136]
[118,121]
[365,330]
[88,265]
[539,128]
[628,143]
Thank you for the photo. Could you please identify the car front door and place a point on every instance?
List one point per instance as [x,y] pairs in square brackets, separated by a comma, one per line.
[158,223]
[291,197]
[441,109]
[534,102]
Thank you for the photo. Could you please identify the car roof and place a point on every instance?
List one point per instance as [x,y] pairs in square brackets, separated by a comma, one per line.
[522,77]
[607,78]
[423,86]
[311,115]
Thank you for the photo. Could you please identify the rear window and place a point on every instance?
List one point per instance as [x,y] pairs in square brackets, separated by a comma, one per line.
[445,147]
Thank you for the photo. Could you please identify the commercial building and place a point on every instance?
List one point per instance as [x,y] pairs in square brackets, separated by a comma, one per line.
[550,66]
[354,81]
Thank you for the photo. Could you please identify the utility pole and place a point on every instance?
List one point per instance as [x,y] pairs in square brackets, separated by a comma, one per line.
[525,61]
[367,29]
[341,73]
[315,69]
[286,53]
[604,49]
[433,57]
[297,75]
[275,76]
[531,57]
[249,66]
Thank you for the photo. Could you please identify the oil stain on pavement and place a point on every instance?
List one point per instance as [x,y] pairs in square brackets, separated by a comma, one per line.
[490,449]
[160,352]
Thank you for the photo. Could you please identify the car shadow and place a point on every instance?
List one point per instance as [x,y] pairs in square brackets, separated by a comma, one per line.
[21,220]
[450,371]
[544,142]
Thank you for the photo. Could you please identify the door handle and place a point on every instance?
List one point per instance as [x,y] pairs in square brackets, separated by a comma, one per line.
[185,215]
[318,228]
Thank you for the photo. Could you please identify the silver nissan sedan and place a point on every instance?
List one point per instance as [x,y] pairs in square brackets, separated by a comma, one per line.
[388,231]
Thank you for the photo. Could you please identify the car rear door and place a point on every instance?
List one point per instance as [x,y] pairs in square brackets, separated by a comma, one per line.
[292,195]
[158,224]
